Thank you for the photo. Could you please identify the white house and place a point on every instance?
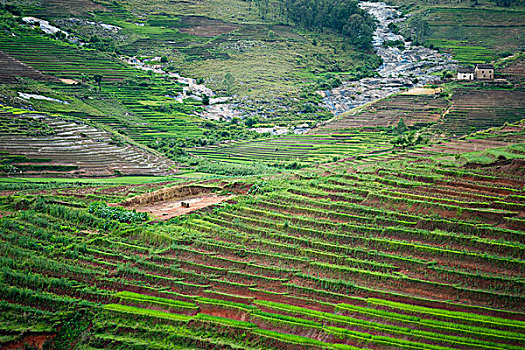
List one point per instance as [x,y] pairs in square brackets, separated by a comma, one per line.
[465,74]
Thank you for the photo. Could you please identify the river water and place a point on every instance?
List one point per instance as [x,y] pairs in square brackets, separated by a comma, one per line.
[401,69]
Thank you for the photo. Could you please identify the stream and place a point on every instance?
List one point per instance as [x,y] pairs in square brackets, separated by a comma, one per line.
[401,69]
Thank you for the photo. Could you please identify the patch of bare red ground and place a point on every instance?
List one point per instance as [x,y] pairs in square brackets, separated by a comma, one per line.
[7,193]
[231,313]
[500,181]
[5,213]
[466,187]
[166,203]
[34,340]
[169,209]
[206,27]
[515,167]
[70,7]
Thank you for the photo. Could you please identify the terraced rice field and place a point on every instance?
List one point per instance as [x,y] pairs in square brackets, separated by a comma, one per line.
[473,110]
[515,71]
[129,98]
[73,148]
[468,109]
[362,145]
[414,110]
[308,148]
[410,255]
[12,68]
[475,35]
[60,59]
[134,110]
[367,246]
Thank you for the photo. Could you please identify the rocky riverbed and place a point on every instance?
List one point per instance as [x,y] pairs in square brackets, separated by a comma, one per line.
[401,69]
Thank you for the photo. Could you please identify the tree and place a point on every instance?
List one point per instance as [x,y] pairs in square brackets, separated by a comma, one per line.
[205,100]
[98,80]
[420,29]
[506,3]
[359,31]
[446,75]
[229,81]
[401,126]
[250,122]
[317,14]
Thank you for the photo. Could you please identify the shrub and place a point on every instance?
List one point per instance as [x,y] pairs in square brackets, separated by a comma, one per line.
[101,210]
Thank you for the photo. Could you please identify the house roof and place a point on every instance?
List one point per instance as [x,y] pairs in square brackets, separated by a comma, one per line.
[465,70]
[484,66]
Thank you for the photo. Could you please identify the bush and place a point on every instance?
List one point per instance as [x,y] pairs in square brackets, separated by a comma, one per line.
[101,210]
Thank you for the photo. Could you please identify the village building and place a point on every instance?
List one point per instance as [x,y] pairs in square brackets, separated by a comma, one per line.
[465,74]
[479,72]
[484,71]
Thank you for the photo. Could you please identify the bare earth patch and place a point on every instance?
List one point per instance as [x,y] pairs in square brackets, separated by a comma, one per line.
[205,27]
[68,81]
[422,91]
[70,7]
[169,209]
[34,340]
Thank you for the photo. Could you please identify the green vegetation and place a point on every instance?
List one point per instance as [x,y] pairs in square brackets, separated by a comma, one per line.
[398,226]
[329,253]
[343,17]
[291,64]
[101,210]
[473,31]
